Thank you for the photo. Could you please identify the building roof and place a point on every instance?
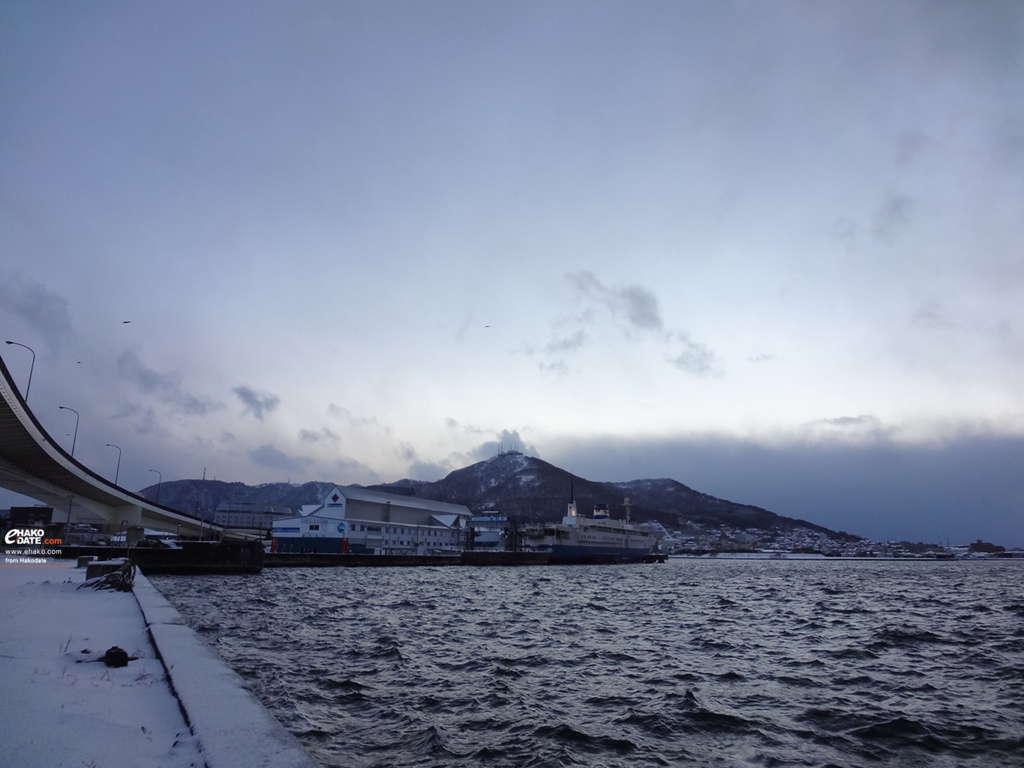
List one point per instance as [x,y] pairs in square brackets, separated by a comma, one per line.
[356,493]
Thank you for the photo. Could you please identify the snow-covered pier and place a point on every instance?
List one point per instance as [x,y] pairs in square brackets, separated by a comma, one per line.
[176,704]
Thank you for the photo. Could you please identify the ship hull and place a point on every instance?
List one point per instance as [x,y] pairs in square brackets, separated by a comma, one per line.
[587,542]
[567,554]
[597,539]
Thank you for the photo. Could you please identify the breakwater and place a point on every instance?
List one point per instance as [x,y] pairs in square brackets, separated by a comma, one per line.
[188,557]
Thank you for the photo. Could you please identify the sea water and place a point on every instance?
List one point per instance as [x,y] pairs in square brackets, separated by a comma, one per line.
[690,662]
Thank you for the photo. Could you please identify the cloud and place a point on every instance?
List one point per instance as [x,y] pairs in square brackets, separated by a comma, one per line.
[555,368]
[257,403]
[638,305]
[892,218]
[417,469]
[691,356]
[933,316]
[167,386]
[44,312]
[887,224]
[143,420]
[456,424]
[429,471]
[966,488]
[846,422]
[909,146]
[318,436]
[568,343]
[863,426]
[513,441]
[344,414]
[270,457]
[636,309]
[505,441]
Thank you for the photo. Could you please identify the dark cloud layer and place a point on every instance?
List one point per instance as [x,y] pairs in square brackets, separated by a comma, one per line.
[968,488]
[269,457]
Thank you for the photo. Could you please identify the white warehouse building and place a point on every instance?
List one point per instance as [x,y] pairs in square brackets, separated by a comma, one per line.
[359,521]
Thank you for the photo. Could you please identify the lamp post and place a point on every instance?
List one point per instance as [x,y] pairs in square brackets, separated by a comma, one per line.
[159,479]
[67,526]
[30,368]
[75,438]
[118,470]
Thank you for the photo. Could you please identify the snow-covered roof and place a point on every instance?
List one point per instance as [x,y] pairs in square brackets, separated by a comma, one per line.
[355,493]
[322,517]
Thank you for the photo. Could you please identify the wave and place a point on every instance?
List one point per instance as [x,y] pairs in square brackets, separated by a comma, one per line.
[690,663]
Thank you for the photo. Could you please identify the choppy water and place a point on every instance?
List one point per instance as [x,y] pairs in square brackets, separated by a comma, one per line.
[704,663]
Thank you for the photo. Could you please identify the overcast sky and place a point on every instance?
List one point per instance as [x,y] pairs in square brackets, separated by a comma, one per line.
[772,250]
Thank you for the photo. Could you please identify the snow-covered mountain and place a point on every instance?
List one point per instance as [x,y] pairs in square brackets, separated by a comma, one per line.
[526,488]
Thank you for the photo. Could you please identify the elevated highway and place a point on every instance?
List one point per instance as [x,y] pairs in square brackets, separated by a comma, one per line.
[34,465]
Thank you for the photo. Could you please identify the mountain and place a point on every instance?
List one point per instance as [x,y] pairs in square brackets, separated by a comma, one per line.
[522,487]
[202,497]
[532,490]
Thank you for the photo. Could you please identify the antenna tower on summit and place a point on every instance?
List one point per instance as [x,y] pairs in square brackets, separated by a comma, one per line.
[514,451]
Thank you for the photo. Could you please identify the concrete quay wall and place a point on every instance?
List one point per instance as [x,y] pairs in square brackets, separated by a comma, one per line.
[232,726]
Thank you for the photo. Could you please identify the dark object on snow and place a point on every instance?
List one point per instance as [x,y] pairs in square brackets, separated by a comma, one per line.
[115,657]
[122,580]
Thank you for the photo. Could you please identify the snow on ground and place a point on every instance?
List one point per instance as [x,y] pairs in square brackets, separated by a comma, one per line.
[60,707]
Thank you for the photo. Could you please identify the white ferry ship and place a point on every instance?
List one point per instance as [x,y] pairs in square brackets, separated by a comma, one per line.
[597,539]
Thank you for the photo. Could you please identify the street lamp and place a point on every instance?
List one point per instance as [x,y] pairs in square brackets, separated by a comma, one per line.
[159,479]
[118,470]
[67,527]
[75,438]
[30,368]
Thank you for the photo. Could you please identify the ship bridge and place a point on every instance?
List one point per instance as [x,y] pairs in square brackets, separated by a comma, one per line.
[34,465]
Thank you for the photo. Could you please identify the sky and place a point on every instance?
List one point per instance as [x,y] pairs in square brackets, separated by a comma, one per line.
[770,250]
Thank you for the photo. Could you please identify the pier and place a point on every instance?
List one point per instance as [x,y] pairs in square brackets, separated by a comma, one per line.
[174,702]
